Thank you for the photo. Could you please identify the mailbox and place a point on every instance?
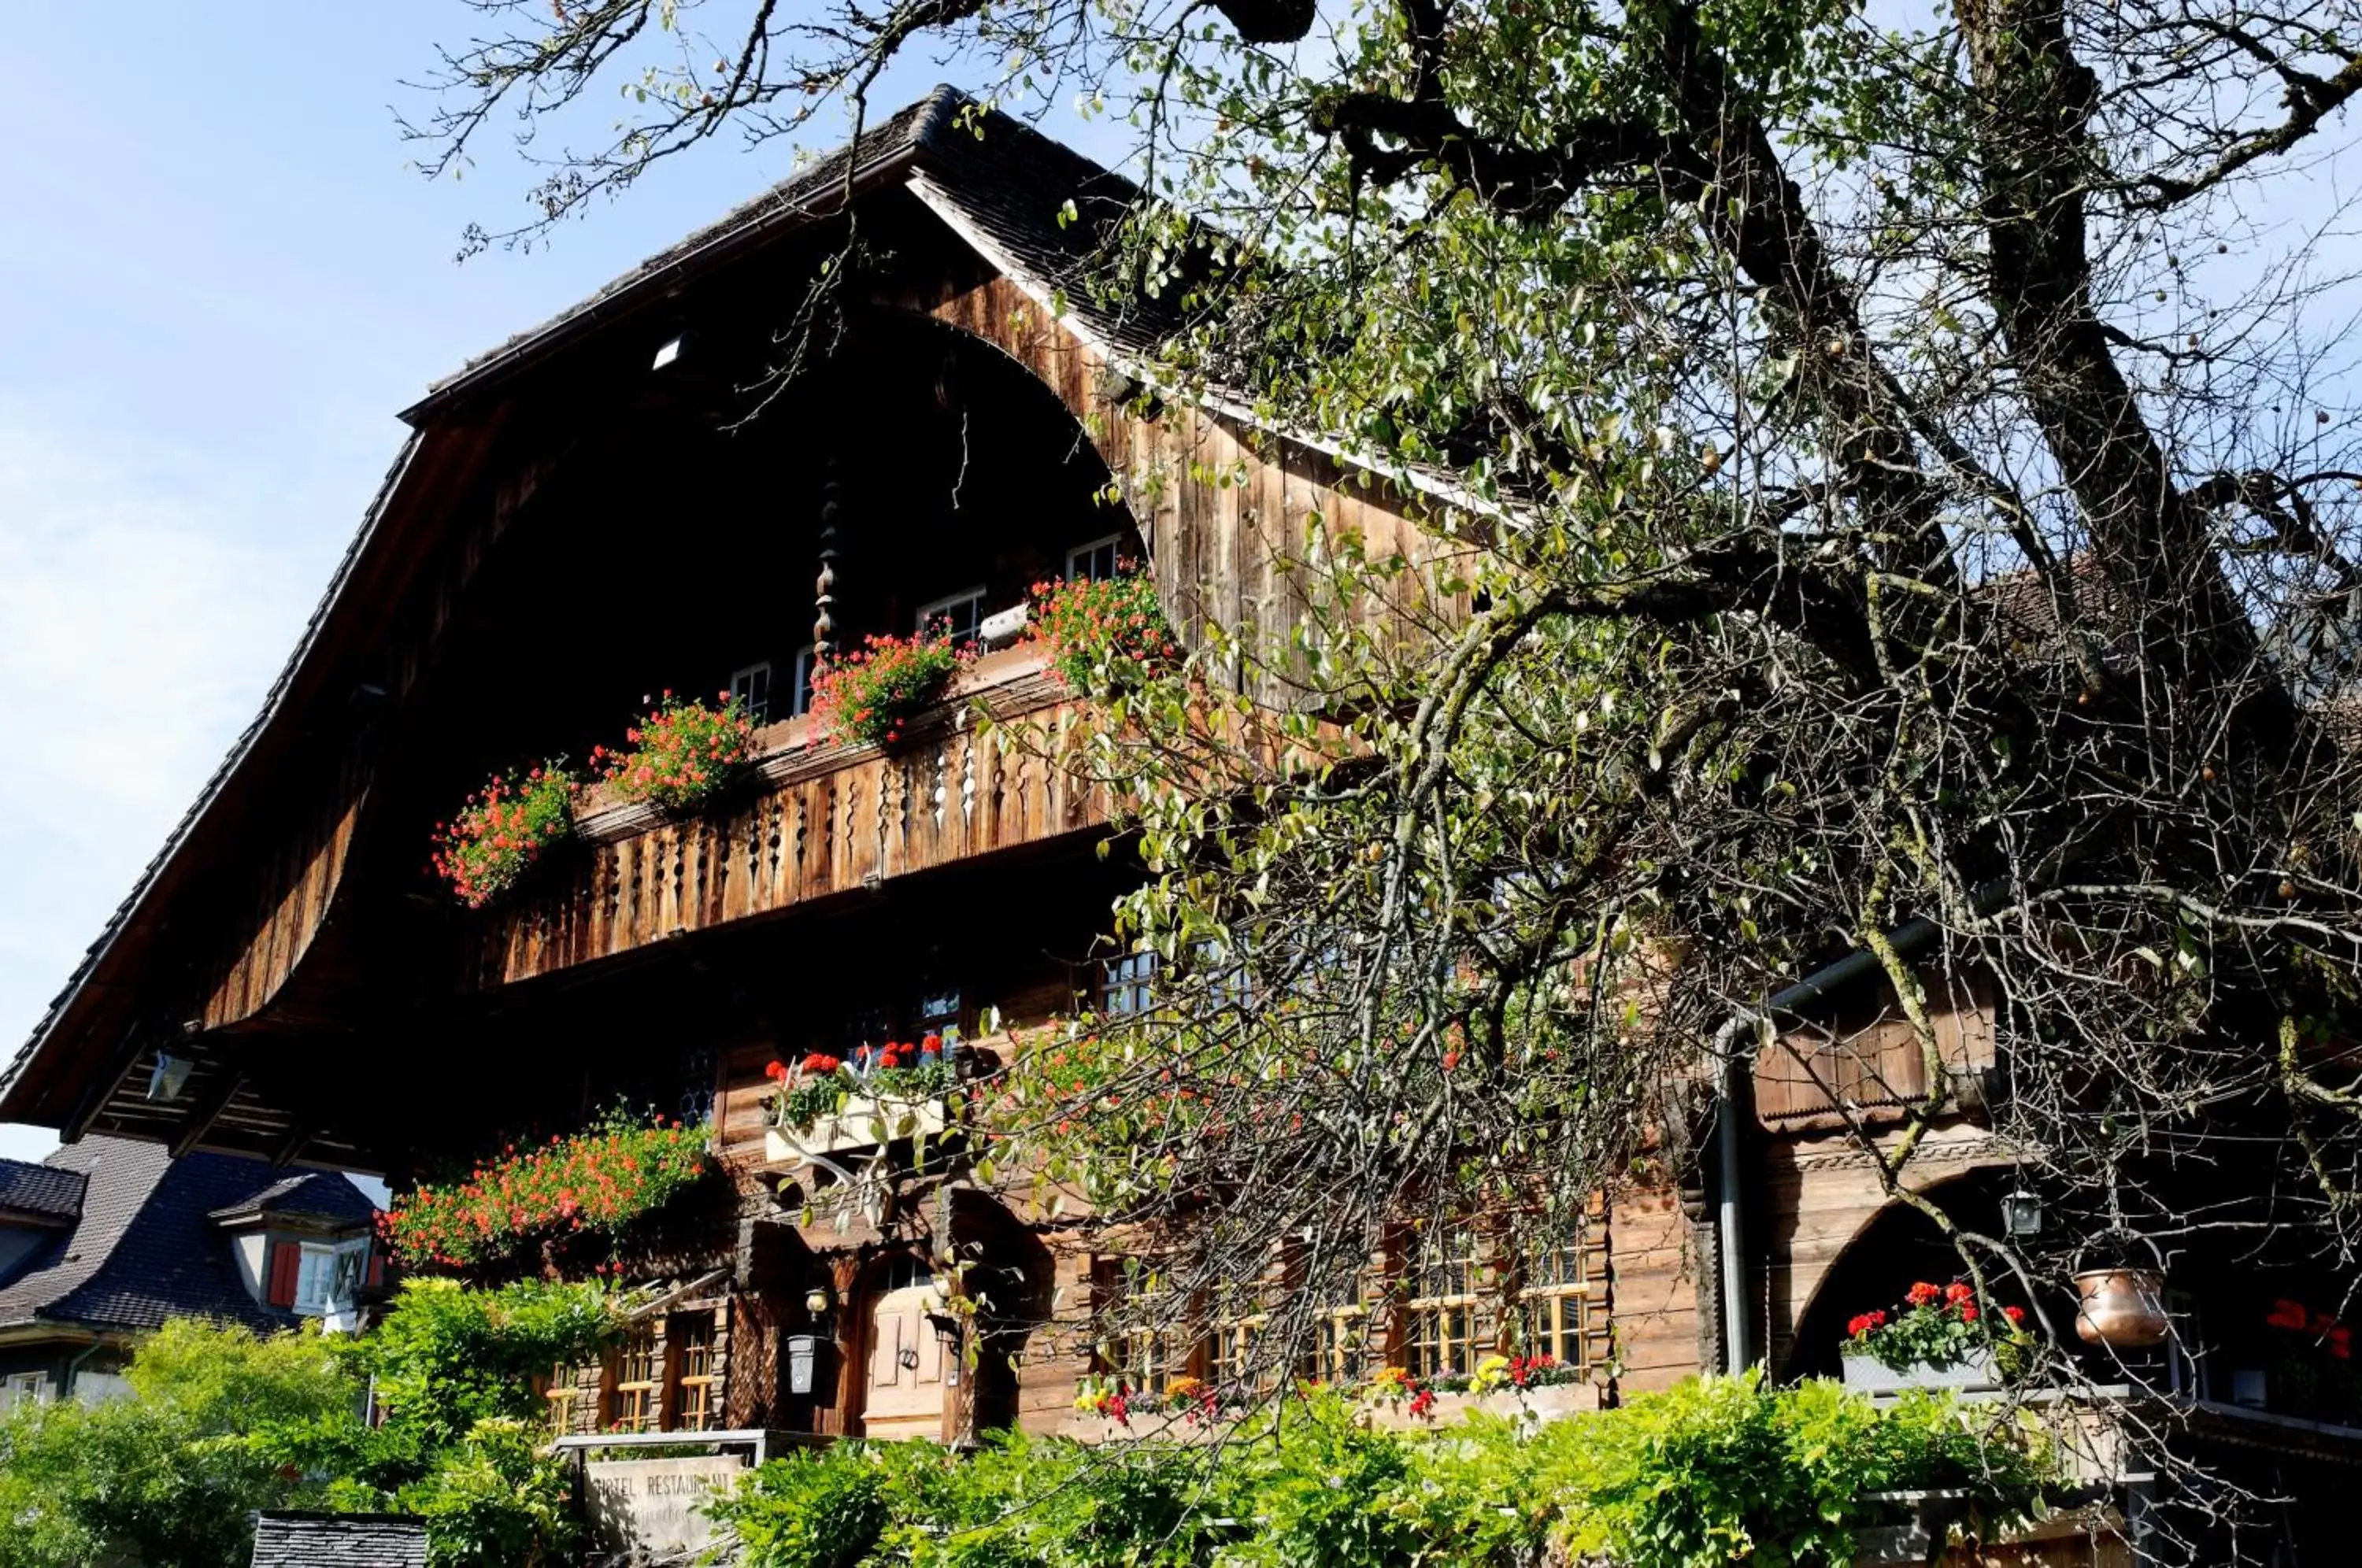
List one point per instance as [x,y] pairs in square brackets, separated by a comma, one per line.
[803,1355]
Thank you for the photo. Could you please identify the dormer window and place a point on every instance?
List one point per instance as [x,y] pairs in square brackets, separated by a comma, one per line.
[315,1278]
[958,616]
[1094,562]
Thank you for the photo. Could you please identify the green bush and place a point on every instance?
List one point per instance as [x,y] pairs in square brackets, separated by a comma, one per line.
[171,1474]
[1715,1471]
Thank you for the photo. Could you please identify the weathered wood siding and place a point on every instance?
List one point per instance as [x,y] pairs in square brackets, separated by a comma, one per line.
[1653,1300]
[1224,508]
[1874,1064]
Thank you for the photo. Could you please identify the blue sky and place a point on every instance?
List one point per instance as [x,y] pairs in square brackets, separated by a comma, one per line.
[218,281]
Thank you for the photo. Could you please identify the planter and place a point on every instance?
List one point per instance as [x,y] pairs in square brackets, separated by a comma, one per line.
[1549,1403]
[2121,1307]
[1868,1374]
[864,1123]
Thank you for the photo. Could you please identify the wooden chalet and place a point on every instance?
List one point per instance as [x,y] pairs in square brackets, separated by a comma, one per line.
[596,511]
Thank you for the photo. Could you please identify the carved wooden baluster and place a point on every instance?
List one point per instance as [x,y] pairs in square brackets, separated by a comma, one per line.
[832,513]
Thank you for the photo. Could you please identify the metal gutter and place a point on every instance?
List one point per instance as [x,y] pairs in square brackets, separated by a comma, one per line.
[1909,938]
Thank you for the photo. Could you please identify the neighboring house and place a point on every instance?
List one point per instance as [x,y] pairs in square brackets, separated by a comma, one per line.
[107,1238]
[292,1540]
[571,527]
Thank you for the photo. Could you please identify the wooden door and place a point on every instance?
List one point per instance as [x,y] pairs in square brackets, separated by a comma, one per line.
[904,1397]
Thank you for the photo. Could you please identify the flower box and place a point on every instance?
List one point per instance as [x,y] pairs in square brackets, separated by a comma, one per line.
[1548,1402]
[864,1123]
[1868,1374]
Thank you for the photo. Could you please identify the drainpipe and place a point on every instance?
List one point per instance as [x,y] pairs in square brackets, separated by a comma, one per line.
[1907,939]
[73,1368]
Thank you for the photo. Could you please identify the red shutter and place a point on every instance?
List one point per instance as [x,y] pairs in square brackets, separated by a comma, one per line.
[376,1268]
[286,1268]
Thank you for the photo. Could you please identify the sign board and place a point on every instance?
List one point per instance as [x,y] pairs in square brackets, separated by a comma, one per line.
[646,1510]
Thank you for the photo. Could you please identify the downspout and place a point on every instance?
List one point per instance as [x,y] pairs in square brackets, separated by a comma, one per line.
[1907,939]
[73,1368]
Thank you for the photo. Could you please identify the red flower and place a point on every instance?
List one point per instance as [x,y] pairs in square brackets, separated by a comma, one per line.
[1968,1314]
[2014,1314]
[1958,1292]
[1921,1294]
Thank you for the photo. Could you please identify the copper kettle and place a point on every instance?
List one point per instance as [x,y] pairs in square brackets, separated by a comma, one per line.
[2122,1308]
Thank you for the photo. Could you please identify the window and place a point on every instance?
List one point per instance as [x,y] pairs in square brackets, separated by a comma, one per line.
[958,616]
[1149,1341]
[1445,1319]
[315,1278]
[752,687]
[559,1394]
[939,1011]
[1558,1311]
[695,1403]
[24,1388]
[1094,562]
[632,1399]
[1340,1330]
[1127,985]
[799,699]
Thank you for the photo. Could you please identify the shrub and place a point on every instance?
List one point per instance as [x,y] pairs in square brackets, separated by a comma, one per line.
[681,753]
[1716,1470]
[502,829]
[870,696]
[602,1179]
[495,1501]
[173,1474]
[1103,635]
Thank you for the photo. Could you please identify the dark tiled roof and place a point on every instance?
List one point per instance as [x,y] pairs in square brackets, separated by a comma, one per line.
[319,1194]
[146,1247]
[338,1540]
[28,1188]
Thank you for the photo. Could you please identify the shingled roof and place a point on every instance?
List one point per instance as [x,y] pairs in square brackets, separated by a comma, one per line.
[290,1539]
[146,1247]
[42,1191]
[1003,186]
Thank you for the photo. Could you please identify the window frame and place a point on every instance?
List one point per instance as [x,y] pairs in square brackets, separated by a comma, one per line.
[803,666]
[1080,554]
[693,1353]
[758,711]
[967,596]
[636,1403]
[1427,1355]
[1132,974]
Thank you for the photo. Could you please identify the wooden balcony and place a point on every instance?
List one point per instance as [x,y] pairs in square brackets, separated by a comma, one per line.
[813,822]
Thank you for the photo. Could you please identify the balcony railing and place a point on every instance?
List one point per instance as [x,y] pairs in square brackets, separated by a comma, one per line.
[812,822]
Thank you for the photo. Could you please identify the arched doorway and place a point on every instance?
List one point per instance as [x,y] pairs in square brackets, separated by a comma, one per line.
[903,1369]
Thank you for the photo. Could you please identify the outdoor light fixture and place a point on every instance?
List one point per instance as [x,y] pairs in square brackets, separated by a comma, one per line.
[169,1077]
[2021,1213]
[666,354]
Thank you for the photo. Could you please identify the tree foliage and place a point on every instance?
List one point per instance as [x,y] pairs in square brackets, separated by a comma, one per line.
[173,1471]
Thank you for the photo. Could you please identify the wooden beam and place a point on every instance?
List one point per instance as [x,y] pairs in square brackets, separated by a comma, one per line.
[208,1111]
[292,1146]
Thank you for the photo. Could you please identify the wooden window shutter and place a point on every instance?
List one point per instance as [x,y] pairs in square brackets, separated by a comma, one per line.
[286,1268]
[376,1268]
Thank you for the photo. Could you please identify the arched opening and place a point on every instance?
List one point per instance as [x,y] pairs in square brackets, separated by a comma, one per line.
[1897,1247]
